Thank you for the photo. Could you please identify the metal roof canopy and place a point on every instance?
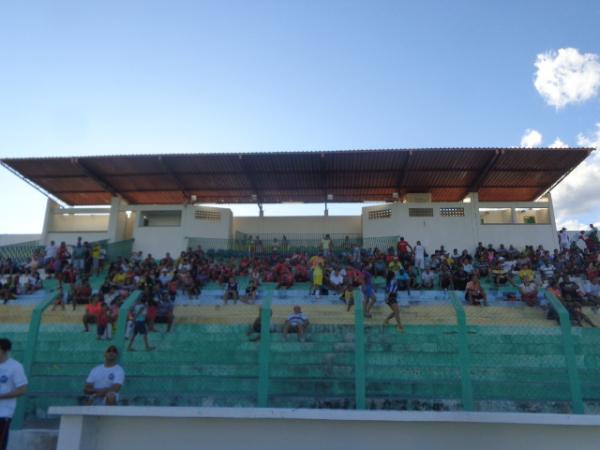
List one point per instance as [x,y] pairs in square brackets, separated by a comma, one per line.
[497,174]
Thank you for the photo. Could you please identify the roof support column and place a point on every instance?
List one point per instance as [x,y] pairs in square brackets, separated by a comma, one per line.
[113,234]
[51,207]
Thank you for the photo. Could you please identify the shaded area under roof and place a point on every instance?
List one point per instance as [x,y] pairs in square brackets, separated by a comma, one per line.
[498,174]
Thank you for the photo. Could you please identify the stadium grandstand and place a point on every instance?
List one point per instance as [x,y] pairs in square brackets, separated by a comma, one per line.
[454,292]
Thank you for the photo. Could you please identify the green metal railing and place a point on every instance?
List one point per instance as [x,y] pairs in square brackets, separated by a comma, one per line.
[20,253]
[120,249]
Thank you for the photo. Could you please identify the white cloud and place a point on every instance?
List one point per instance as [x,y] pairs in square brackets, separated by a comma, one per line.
[531,138]
[567,76]
[574,225]
[558,144]
[577,194]
[591,139]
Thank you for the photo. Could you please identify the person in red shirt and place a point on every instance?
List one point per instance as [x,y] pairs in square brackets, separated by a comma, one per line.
[92,311]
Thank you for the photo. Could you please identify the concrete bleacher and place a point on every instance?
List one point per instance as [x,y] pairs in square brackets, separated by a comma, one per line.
[517,357]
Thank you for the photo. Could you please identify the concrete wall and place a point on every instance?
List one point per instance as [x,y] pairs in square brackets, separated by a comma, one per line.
[152,428]
[460,232]
[299,224]
[158,240]
[78,222]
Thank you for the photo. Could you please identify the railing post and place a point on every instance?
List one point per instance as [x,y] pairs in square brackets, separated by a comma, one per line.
[359,352]
[119,341]
[463,354]
[569,349]
[264,351]
[30,348]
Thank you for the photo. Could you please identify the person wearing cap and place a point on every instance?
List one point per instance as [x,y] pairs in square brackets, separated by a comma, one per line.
[104,382]
[13,384]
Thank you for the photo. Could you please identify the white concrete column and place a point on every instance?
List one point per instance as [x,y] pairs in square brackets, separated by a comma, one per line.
[475,219]
[113,219]
[51,207]
[552,221]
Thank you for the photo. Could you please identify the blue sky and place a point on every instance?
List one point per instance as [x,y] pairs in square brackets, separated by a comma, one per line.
[89,78]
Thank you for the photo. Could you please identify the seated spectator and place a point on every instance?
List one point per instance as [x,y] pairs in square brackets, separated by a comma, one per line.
[92,311]
[81,294]
[570,291]
[428,278]
[104,382]
[251,292]
[460,279]
[474,293]
[231,291]
[297,322]
[336,281]
[529,292]
[499,272]
[446,281]
[591,290]
[256,328]
[286,280]
[403,281]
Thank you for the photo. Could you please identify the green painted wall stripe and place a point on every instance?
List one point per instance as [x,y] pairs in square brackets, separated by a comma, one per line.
[569,349]
[464,354]
[359,352]
[264,350]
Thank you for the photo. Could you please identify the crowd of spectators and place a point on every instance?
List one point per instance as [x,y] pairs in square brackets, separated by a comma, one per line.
[570,273]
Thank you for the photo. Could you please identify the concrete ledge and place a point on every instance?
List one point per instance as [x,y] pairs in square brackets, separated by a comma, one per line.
[150,428]
[326,414]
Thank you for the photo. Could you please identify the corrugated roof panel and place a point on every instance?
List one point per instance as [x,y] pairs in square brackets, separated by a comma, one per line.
[358,175]
[508,194]
[511,179]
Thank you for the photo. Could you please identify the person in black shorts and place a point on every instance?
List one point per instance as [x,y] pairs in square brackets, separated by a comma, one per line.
[392,300]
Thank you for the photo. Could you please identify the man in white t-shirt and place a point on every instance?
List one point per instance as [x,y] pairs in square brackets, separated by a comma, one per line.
[104,382]
[51,252]
[13,384]
[419,255]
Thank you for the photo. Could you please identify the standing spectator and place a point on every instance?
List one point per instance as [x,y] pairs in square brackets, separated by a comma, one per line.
[139,312]
[13,384]
[419,255]
[392,301]
[563,239]
[79,256]
[104,382]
